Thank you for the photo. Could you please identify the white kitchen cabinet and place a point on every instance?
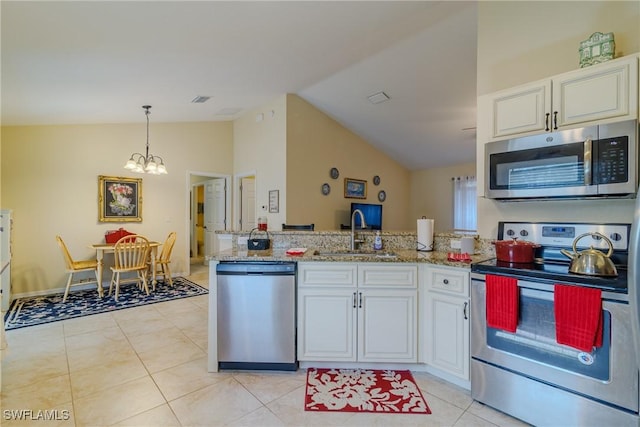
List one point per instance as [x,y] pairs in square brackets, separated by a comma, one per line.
[446,320]
[357,312]
[326,324]
[387,325]
[603,92]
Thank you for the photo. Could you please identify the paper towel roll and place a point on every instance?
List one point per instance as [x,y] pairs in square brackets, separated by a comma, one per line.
[425,235]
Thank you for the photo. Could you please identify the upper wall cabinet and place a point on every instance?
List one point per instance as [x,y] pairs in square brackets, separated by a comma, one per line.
[587,96]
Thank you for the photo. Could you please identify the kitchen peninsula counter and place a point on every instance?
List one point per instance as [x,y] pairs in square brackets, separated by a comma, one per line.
[311,255]
[399,245]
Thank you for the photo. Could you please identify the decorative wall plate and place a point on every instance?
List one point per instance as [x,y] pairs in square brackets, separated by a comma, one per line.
[376,180]
[326,189]
[334,173]
[382,196]
[597,48]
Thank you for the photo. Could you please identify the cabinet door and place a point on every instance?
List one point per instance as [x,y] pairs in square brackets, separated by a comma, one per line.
[447,334]
[326,324]
[605,91]
[521,109]
[387,325]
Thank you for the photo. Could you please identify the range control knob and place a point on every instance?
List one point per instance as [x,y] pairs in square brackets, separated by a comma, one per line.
[524,233]
[510,232]
[616,237]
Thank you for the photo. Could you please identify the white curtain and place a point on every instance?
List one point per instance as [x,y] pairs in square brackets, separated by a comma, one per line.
[465,211]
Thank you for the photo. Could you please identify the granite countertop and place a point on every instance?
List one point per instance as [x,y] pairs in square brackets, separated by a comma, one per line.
[311,255]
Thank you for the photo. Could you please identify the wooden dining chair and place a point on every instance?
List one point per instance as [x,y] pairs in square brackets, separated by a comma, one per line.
[74,266]
[130,255]
[163,260]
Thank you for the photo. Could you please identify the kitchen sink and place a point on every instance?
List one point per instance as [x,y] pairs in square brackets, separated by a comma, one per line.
[356,254]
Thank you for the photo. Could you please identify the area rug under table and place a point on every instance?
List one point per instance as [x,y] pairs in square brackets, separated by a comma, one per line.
[363,390]
[38,310]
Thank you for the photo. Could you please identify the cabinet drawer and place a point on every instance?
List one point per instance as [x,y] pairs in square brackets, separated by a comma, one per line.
[448,280]
[384,275]
[327,274]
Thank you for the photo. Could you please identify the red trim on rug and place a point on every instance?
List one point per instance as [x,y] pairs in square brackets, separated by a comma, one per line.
[363,390]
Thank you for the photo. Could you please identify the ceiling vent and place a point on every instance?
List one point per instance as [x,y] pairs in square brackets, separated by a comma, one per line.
[377,98]
[200,99]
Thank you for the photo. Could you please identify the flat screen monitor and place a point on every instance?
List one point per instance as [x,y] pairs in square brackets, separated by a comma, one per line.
[372,215]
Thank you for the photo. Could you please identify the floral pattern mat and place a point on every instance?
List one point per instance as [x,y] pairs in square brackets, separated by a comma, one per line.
[363,390]
[31,311]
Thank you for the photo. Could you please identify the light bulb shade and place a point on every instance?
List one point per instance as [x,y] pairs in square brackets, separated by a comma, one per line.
[151,166]
[162,170]
[131,164]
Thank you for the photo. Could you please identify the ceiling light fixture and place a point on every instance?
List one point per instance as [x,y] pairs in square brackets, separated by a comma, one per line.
[147,163]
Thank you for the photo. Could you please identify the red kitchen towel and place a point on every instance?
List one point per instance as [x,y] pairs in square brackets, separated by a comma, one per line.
[578,313]
[502,302]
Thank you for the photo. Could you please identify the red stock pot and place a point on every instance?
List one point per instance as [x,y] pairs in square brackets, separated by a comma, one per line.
[514,250]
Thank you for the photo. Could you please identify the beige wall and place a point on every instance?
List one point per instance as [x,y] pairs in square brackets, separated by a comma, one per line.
[259,148]
[432,194]
[50,180]
[315,144]
[523,41]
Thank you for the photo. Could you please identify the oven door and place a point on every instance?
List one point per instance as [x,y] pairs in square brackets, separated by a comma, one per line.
[551,165]
[607,374]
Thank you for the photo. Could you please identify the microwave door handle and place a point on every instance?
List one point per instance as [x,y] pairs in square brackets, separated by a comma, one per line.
[587,161]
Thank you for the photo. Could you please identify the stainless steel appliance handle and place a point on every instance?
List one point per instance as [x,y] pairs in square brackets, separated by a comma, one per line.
[588,145]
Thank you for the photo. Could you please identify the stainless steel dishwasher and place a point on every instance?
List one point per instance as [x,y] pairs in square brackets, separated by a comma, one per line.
[257,315]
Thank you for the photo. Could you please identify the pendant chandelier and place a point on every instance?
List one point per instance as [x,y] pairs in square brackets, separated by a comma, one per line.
[147,163]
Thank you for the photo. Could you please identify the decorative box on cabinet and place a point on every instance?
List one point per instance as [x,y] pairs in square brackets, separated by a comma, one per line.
[357,312]
[446,320]
[604,92]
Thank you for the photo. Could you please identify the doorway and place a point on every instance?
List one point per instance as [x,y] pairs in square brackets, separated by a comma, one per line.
[209,210]
[246,201]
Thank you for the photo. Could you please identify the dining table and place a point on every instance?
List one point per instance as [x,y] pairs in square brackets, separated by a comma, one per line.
[102,248]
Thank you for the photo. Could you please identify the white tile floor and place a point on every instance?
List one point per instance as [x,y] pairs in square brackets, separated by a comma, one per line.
[147,366]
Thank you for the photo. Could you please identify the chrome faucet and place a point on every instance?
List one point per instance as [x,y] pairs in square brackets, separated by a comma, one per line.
[353,227]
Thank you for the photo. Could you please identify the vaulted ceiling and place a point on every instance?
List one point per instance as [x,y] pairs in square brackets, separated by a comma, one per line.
[67,62]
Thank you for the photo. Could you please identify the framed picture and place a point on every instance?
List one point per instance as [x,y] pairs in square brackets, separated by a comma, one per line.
[119,199]
[274,201]
[355,188]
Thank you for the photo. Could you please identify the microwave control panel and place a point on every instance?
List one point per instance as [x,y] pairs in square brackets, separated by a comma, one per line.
[613,160]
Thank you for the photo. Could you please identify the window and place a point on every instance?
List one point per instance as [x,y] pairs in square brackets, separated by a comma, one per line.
[465,211]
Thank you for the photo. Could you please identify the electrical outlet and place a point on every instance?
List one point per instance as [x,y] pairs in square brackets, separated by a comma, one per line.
[455,244]
[243,240]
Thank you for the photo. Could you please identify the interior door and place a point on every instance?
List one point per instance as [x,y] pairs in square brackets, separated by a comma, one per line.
[248,203]
[214,211]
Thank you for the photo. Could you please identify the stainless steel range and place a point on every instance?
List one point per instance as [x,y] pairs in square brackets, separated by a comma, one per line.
[526,373]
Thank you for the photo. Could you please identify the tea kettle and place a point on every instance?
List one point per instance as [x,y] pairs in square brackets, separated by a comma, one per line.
[591,261]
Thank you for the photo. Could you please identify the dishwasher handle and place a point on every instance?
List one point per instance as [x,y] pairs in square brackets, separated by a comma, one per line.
[256,268]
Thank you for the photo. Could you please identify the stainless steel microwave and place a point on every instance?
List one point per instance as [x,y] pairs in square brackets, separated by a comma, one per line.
[594,161]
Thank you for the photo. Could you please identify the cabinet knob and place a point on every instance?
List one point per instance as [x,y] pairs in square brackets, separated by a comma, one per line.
[445,281]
